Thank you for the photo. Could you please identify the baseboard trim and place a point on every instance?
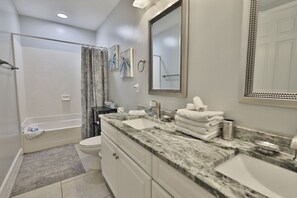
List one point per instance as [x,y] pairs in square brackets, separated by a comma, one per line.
[9,180]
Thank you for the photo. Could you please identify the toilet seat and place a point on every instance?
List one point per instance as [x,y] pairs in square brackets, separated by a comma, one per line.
[91,142]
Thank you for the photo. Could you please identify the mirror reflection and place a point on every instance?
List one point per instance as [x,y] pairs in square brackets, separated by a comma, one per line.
[276,47]
[166,39]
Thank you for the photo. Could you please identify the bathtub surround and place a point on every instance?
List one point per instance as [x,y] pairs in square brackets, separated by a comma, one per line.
[59,130]
[40,60]
[94,87]
[47,167]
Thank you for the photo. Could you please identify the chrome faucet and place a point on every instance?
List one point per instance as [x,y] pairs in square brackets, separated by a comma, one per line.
[158,107]
[294,146]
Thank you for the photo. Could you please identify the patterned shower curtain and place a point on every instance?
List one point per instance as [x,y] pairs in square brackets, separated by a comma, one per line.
[94,87]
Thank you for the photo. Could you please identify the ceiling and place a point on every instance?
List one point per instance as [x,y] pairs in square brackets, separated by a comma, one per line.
[87,14]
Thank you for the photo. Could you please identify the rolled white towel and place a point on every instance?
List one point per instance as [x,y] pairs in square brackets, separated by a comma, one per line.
[200,130]
[199,106]
[205,116]
[137,112]
[191,106]
[197,135]
[200,123]
[120,109]
[31,134]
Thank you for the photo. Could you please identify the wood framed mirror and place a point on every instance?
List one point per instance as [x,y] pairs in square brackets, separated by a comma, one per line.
[168,51]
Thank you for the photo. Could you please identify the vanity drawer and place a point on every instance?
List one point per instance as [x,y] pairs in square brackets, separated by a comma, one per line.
[139,154]
[178,185]
[109,131]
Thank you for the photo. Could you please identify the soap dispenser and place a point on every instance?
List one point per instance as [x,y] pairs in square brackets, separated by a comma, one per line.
[294,146]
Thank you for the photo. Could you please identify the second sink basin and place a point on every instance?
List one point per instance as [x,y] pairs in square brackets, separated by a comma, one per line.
[268,179]
[141,123]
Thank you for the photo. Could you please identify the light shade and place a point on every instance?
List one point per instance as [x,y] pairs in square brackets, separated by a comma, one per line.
[62,16]
[141,3]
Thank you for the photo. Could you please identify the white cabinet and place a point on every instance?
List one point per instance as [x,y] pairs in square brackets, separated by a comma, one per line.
[159,192]
[128,169]
[136,152]
[109,131]
[133,182]
[108,163]
[125,178]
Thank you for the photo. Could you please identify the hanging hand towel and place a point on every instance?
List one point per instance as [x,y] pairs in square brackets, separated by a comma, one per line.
[205,116]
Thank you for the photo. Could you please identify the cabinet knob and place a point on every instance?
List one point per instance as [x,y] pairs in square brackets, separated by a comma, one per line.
[117,157]
[114,154]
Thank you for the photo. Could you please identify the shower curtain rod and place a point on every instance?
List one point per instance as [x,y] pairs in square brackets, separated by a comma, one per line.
[57,40]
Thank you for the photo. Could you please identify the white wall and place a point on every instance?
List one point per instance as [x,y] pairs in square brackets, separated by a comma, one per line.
[214,62]
[9,123]
[37,27]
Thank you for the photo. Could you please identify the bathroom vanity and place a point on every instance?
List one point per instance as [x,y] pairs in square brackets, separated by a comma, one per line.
[158,162]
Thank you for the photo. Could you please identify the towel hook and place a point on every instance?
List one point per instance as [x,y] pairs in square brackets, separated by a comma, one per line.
[140,69]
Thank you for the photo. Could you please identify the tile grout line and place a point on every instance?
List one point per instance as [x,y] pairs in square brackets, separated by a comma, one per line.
[108,196]
[61,189]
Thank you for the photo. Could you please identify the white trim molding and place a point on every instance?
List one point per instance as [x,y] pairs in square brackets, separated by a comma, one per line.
[9,180]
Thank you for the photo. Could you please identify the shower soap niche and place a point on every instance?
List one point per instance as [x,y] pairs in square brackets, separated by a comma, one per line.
[65,97]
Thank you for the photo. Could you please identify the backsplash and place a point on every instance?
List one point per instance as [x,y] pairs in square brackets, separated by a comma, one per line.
[252,135]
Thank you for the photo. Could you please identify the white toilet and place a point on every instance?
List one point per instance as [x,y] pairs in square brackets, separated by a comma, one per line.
[91,147]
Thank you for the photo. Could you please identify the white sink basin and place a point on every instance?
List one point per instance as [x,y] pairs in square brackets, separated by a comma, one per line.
[141,123]
[266,178]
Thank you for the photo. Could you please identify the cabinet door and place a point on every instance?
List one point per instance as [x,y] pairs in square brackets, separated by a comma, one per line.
[159,192]
[133,182]
[136,152]
[109,162]
[177,184]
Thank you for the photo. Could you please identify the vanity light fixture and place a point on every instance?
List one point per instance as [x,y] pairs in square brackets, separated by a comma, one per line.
[141,3]
[62,16]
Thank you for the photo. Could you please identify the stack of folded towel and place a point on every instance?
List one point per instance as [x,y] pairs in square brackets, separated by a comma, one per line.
[196,121]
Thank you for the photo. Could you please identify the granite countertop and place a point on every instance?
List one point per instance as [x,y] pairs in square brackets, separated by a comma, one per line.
[195,158]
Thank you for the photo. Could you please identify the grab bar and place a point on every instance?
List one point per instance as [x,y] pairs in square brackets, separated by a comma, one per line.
[2,62]
[170,75]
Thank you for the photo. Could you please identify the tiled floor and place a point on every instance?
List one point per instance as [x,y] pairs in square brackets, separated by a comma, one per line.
[88,185]
[47,167]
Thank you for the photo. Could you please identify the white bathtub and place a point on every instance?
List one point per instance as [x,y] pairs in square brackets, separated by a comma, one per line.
[59,130]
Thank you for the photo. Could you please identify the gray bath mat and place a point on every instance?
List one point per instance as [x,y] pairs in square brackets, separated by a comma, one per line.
[47,167]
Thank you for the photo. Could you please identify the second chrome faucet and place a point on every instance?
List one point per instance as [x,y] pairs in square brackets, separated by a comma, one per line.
[157,106]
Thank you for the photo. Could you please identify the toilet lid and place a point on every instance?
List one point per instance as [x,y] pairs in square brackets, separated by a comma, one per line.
[93,141]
